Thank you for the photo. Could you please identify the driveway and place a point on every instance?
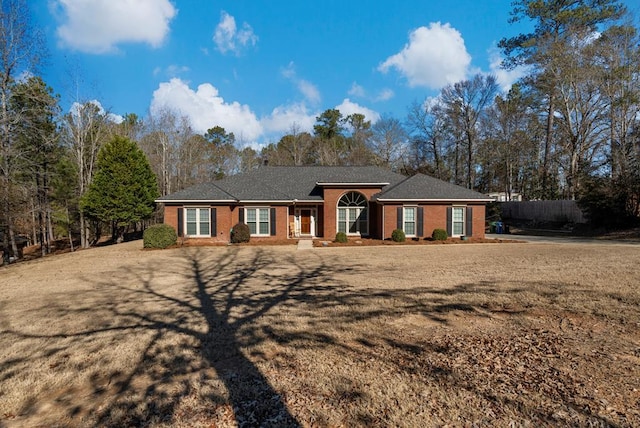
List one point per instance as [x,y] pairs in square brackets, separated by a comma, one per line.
[564,239]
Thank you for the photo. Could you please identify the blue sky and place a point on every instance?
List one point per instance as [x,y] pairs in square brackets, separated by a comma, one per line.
[257,67]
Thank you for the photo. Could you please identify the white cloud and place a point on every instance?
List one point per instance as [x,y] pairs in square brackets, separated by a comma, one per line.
[283,117]
[308,89]
[205,108]
[348,107]
[228,38]
[434,57]
[76,106]
[172,70]
[505,78]
[385,95]
[357,91]
[98,26]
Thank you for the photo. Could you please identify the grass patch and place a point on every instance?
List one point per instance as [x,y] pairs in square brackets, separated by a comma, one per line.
[396,335]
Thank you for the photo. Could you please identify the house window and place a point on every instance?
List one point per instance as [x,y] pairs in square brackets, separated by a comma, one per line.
[258,220]
[198,222]
[457,226]
[353,214]
[409,224]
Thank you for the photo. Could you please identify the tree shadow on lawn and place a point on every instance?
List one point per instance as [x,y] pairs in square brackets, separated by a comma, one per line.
[204,333]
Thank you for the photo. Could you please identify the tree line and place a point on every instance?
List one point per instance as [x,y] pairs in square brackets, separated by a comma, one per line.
[568,129]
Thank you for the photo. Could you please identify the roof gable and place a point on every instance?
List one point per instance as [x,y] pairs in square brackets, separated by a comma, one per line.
[422,187]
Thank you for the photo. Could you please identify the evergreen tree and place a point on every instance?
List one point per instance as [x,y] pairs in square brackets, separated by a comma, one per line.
[124,187]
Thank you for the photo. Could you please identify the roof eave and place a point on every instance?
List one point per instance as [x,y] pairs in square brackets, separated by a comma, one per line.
[332,184]
[197,201]
[433,200]
[265,201]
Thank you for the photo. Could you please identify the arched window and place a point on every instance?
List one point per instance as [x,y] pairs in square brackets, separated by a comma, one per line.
[353,218]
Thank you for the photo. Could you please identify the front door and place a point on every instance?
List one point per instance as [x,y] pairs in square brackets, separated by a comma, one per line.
[305,222]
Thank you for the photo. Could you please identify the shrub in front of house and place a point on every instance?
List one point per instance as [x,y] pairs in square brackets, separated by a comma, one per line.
[341,237]
[439,235]
[398,235]
[240,233]
[159,236]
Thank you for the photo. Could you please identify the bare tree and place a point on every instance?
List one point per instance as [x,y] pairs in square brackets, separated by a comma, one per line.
[84,129]
[388,142]
[21,49]
[465,102]
[429,131]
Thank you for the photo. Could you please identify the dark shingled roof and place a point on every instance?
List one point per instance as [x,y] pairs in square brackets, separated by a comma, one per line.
[300,183]
[424,188]
[199,192]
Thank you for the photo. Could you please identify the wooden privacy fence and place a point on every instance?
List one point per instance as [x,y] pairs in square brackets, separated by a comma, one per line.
[543,211]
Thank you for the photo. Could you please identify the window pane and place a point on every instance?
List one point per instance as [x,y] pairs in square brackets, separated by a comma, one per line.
[458,228]
[264,228]
[342,214]
[191,228]
[204,228]
[204,215]
[264,214]
[409,214]
[252,227]
[352,214]
[409,228]
[191,214]
[342,226]
[458,214]
[363,214]
[251,215]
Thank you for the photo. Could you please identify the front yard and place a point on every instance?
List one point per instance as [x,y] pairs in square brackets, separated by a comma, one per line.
[421,335]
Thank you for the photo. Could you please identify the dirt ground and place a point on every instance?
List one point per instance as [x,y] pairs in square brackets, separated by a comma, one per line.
[510,334]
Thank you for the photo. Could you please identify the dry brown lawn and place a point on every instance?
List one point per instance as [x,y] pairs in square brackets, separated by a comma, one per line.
[451,335]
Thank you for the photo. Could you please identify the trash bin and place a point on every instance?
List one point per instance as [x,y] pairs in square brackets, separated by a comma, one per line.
[499,227]
[492,227]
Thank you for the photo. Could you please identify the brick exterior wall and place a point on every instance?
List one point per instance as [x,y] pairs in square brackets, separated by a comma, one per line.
[382,218]
[332,196]
[478,220]
[171,216]
[435,217]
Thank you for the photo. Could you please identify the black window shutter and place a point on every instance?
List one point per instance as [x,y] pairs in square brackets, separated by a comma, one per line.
[213,220]
[420,225]
[241,215]
[273,221]
[449,220]
[468,227]
[399,224]
[180,221]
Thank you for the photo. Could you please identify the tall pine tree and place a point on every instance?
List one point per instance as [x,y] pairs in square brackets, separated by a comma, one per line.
[124,187]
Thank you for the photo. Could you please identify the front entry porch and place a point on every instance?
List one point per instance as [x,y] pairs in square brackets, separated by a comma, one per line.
[304,224]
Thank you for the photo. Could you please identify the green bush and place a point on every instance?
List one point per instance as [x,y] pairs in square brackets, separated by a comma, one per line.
[398,235]
[159,236]
[439,235]
[240,233]
[341,237]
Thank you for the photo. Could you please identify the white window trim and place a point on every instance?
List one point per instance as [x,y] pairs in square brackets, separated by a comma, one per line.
[258,234]
[464,220]
[415,220]
[358,213]
[186,216]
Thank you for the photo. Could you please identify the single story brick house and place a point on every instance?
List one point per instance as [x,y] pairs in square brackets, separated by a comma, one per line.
[319,201]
